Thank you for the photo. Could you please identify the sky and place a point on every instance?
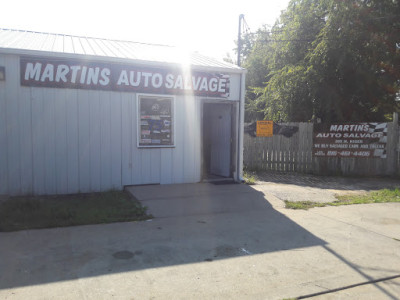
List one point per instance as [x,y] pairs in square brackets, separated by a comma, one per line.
[209,27]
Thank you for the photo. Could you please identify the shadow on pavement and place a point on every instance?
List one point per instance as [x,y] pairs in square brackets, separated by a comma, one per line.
[369,280]
[248,225]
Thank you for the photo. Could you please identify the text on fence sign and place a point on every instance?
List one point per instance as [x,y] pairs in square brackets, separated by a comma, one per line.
[351,140]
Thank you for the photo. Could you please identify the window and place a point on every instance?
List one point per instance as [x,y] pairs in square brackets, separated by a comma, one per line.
[156,126]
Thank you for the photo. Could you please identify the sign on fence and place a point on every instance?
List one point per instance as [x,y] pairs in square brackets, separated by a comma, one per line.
[351,140]
[265,128]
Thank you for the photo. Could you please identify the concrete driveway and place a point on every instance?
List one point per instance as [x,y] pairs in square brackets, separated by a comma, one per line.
[211,242]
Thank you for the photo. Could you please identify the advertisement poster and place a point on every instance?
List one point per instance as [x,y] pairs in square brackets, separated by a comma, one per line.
[351,140]
[155,128]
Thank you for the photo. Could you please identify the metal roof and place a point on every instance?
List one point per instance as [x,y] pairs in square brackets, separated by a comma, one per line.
[20,41]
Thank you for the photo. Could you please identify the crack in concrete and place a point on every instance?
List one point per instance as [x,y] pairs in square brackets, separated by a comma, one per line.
[358,226]
[349,287]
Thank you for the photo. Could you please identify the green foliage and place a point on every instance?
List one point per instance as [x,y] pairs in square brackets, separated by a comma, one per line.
[303,204]
[381,196]
[337,60]
[250,178]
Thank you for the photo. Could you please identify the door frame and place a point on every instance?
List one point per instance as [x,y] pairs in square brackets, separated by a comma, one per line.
[234,135]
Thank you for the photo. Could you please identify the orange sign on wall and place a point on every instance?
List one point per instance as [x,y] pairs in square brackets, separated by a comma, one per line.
[265,128]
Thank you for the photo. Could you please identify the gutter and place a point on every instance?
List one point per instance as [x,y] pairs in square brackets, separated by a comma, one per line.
[122,60]
[241,127]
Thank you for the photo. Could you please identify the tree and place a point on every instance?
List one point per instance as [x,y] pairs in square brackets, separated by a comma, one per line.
[337,60]
[256,60]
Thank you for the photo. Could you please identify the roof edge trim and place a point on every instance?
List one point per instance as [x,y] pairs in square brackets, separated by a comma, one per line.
[14,51]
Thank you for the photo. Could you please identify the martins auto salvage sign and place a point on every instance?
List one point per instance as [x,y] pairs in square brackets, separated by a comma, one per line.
[351,140]
[78,74]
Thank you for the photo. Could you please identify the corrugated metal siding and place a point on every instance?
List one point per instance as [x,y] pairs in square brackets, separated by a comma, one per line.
[66,44]
[3,136]
[58,141]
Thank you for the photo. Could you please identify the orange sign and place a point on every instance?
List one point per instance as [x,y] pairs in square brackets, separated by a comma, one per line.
[265,128]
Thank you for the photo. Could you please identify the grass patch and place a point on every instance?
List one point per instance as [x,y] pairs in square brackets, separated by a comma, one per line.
[381,196]
[19,213]
[249,178]
[302,204]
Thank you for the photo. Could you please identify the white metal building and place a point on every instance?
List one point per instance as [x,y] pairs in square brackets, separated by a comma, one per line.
[81,114]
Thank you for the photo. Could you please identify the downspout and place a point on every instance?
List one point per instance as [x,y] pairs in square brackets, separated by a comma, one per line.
[242,90]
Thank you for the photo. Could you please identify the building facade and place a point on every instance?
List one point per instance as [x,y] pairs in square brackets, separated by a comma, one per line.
[83,114]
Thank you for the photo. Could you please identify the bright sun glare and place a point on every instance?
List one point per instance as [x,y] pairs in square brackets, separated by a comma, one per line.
[209,27]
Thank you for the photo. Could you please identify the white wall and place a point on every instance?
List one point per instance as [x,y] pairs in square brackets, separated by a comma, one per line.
[57,141]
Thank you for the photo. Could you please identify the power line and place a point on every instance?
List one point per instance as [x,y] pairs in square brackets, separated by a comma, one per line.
[295,29]
[280,31]
[317,39]
[276,39]
[246,26]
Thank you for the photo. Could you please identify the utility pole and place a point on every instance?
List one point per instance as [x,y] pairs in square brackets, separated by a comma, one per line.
[239,50]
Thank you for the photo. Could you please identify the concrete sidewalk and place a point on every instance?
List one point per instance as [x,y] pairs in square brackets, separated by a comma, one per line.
[235,243]
[181,200]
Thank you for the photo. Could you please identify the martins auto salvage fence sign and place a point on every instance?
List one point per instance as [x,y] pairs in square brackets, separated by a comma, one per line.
[78,74]
[351,140]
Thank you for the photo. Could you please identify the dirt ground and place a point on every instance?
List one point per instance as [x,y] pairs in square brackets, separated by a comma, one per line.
[307,187]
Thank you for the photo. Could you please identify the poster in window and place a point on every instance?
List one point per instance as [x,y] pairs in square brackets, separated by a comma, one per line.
[156,126]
